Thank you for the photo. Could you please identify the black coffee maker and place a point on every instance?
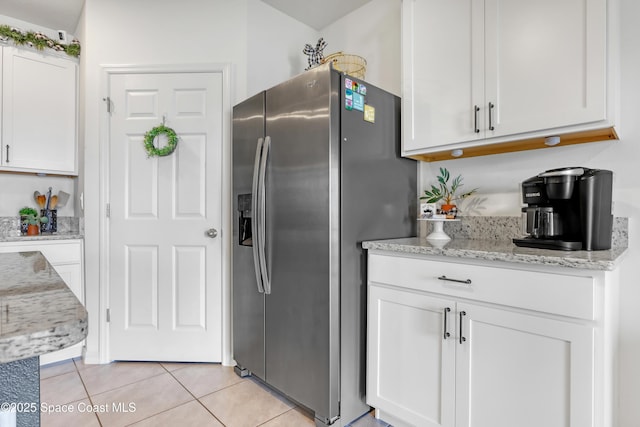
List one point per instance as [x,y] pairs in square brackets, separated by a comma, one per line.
[568,209]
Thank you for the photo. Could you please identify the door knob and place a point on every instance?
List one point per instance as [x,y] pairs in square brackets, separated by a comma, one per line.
[212,233]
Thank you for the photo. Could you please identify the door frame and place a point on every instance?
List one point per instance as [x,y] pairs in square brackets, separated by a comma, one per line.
[225,233]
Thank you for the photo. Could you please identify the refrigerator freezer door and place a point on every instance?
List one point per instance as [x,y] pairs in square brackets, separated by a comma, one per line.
[302,311]
[378,201]
[248,302]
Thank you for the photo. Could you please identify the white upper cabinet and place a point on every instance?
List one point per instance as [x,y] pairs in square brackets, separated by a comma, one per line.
[545,64]
[486,71]
[39,112]
[440,77]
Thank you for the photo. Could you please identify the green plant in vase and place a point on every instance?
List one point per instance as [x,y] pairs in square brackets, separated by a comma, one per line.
[447,192]
[32,220]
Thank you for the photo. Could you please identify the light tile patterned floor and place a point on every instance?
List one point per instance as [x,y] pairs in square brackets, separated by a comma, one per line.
[163,394]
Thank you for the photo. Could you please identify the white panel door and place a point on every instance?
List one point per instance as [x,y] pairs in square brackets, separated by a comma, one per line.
[515,369]
[165,271]
[410,361]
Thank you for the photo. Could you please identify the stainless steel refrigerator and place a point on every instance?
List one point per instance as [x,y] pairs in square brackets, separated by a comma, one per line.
[316,171]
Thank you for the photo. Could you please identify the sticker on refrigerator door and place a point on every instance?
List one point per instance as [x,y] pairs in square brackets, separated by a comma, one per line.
[369,114]
[358,102]
[348,84]
[348,99]
[348,104]
[362,89]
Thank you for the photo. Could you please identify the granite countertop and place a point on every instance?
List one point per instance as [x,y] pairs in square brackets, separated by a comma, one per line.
[68,228]
[38,312]
[42,236]
[502,250]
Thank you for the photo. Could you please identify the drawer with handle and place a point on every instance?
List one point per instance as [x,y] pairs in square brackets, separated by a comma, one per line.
[561,294]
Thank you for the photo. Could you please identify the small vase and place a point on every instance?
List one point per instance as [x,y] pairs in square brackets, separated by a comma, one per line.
[33,230]
[449,210]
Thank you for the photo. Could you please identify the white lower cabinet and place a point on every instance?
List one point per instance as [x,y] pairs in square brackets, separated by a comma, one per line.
[66,258]
[442,352]
[411,365]
[516,369]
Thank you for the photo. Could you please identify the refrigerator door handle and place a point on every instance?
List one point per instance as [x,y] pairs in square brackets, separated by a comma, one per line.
[262,215]
[255,224]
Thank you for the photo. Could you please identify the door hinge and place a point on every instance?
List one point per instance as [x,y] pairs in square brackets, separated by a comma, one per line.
[108,210]
[108,315]
[108,101]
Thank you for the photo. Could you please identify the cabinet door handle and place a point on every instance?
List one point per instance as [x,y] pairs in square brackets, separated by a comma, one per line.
[7,156]
[446,279]
[446,330]
[476,110]
[462,338]
[491,105]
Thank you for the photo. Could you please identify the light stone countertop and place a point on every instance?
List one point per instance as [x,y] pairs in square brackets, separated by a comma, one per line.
[68,228]
[42,236]
[502,250]
[38,312]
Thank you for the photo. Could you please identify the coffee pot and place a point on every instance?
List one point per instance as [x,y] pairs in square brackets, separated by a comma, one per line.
[542,222]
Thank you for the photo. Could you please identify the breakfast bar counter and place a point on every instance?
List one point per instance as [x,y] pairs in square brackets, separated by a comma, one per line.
[39,314]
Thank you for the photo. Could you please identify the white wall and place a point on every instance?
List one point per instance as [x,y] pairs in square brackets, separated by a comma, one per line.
[275,43]
[623,159]
[373,32]
[16,191]
[274,46]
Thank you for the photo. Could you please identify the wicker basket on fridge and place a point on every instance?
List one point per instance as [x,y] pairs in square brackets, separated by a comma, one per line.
[352,65]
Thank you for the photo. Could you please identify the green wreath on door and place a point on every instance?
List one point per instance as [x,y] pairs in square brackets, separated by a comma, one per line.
[150,137]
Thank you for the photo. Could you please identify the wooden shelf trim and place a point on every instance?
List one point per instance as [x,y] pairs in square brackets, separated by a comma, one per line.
[598,135]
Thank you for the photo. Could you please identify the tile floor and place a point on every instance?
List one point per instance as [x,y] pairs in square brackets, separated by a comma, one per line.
[163,394]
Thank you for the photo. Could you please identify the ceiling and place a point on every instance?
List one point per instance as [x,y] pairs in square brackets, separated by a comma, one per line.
[65,14]
[316,13]
[52,14]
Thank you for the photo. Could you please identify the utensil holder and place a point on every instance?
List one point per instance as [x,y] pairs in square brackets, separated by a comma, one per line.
[50,226]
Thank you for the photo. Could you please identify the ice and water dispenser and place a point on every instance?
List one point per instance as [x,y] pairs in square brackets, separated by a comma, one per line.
[244,226]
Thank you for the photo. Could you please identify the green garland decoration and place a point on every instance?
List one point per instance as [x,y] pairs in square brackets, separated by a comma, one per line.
[150,136]
[37,40]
